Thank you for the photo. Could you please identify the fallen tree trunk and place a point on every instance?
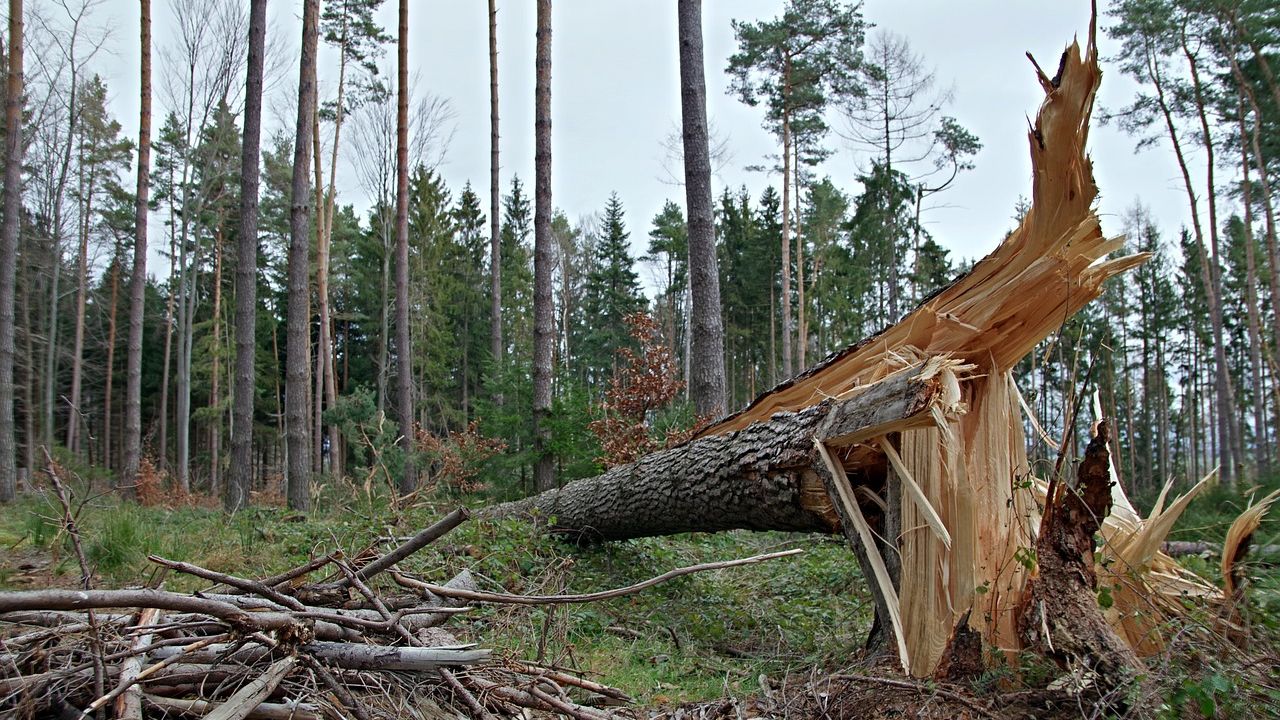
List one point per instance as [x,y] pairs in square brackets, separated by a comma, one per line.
[759,478]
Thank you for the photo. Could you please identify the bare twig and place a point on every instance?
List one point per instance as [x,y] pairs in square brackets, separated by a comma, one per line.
[69,524]
[251,586]
[92,599]
[129,704]
[143,675]
[917,687]
[477,710]
[416,543]
[479,596]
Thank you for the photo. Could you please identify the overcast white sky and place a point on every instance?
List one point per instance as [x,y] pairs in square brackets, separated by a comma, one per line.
[615,96]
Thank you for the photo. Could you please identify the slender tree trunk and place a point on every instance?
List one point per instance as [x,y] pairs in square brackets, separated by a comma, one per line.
[787,330]
[706,370]
[138,281]
[1229,421]
[1260,446]
[240,478]
[162,452]
[108,417]
[384,337]
[543,255]
[1215,312]
[328,342]
[29,386]
[298,332]
[75,417]
[802,322]
[190,279]
[317,396]
[55,263]
[215,375]
[9,251]
[495,200]
[404,349]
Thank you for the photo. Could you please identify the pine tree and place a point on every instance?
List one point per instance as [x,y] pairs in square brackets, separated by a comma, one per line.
[298,351]
[138,280]
[796,64]
[241,468]
[612,292]
[9,250]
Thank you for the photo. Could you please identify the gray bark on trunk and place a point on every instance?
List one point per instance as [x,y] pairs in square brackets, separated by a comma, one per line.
[404,351]
[495,201]
[298,342]
[763,477]
[707,378]
[9,251]
[240,477]
[138,281]
[543,259]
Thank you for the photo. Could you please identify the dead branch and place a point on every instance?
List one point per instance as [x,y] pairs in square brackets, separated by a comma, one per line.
[504,598]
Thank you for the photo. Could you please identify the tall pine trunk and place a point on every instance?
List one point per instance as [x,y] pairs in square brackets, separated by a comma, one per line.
[787,329]
[298,331]
[76,417]
[1223,446]
[543,260]
[9,251]
[495,200]
[1231,451]
[240,477]
[108,395]
[138,281]
[1261,456]
[162,445]
[706,336]
[404,349]
[215,374]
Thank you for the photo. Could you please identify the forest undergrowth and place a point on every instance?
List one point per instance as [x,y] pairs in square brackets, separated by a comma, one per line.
[744,633]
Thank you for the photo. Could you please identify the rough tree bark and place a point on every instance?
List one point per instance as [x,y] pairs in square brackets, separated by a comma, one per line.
[1059,614]
[404,351]
[495,201]
[138,282]
[543,259]
[241,471]
[763,477]
[707,364]
[298,342]
[9,251]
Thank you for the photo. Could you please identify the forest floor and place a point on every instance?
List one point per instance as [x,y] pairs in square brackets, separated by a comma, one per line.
[777,639]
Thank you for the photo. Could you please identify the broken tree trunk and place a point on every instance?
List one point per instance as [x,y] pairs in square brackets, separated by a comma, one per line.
[762,477]
[1060,615]
[929,481]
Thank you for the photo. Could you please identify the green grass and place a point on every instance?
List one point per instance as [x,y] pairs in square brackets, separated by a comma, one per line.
[695,637]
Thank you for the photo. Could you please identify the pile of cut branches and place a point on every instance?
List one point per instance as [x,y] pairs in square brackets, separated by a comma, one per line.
[283,646]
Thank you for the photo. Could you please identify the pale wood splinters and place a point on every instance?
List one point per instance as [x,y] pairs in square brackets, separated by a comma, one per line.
[913,489]
[843,488]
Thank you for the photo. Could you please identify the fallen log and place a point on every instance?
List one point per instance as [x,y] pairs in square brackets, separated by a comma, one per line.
[758,478]
[937,496]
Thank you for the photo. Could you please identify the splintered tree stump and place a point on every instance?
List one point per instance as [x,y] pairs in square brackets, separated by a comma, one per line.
[1060,615]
